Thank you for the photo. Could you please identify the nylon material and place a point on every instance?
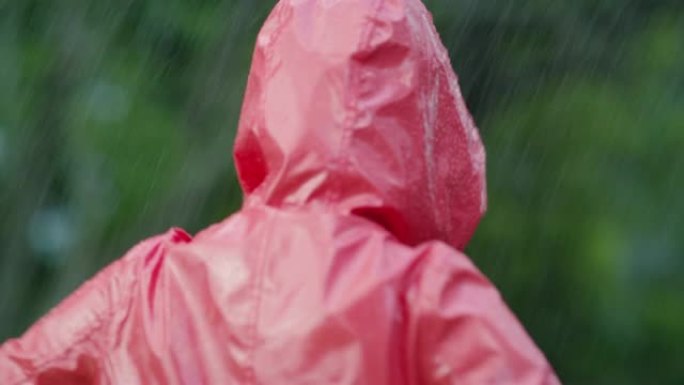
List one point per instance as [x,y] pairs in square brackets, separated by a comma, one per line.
[227,279]
[358,158]
[191,338]
[218,286]
[134,332]
[391,10]
[316,23]
[85,371]
[307,186]
[380,88]
[341,361]
[10,372]
[381,32]
[340,279]
[429,122]
[382,152]
[318,90]
[283,300]
[126,366]
[383,78]
[278,110]
[479,356]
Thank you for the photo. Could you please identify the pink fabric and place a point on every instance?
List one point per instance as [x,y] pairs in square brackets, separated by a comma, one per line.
[364,179]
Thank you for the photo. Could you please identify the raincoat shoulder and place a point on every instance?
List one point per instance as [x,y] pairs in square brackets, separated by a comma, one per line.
[72,343]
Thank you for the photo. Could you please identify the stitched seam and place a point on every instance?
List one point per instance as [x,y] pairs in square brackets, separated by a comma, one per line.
[254,319]
[351,100]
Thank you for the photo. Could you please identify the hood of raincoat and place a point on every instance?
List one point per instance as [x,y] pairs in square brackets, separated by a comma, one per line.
[354,105]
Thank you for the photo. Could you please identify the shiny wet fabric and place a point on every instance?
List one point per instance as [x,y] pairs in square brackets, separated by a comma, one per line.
[363,177]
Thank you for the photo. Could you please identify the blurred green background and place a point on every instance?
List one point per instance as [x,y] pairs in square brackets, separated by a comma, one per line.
[117,118]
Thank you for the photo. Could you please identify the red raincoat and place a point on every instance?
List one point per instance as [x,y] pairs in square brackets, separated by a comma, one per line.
[363,176]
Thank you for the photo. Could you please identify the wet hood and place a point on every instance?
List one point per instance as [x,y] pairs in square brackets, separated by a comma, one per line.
[353,105]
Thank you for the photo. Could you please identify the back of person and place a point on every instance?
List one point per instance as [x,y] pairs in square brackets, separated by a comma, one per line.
[308,296]
[363,176]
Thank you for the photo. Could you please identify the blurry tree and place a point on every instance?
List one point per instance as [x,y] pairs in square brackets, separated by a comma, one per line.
[116,122]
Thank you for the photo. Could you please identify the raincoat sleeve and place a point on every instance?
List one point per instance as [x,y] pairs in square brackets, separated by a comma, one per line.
[464,332]
[70,344]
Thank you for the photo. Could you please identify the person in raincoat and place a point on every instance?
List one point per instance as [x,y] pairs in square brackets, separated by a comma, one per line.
[363,178]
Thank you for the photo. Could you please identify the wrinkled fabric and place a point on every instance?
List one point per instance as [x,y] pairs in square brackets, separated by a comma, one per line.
[363,177]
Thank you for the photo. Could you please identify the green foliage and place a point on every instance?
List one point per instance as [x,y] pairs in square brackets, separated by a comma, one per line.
[117,118]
